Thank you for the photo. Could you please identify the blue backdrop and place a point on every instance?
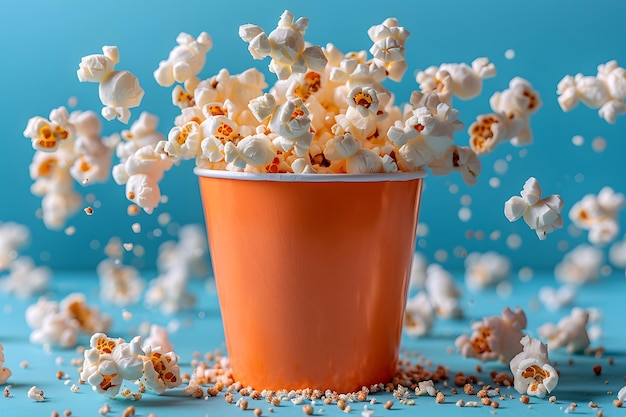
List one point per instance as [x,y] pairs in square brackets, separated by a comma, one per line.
[43,41]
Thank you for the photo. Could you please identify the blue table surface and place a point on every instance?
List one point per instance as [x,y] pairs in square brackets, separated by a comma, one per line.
[201,331]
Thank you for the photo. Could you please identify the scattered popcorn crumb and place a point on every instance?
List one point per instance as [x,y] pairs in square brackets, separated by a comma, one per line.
[440,398]
[307,409]
[88,210]
[509,54]
[35,394]
[127,315]
[75,388]
[552,399]
[128,411]
[104,409]
[597,369]
[525,399]
[67,413]
[24,364]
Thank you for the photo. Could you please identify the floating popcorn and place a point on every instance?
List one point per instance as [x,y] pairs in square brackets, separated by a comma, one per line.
[569,333]
[486,269]
[13,236]
[118,91]
[388,48]
[606,91]
[555,299]
[419,315]
[185,61]
[120,284]
[532,372]
[495,337]
[25,279]
[617,254]
[190,251]
[599,214]
[543,215]
[580,265]
[5,373]
[158,337]
[442,292]
[142,132]
[285,45]
[47,135]
[169,293]
[418,270]
[461,159]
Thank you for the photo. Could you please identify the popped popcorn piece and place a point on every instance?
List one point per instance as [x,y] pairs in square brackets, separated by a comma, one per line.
[285,46]
[25,279]
[120,284]
[160,370]
[458,158]
[142,132]
[388,48]
[555,299]
[418,270]
[169,293]
[442,292]
[13,236]
[426,387]
[419,315]
[190,251]
[580,265]
[158,337]
[543,215]
[569,333]
[599,214]
[532,372]
[47,135]
[605,91]
[93,153]
[185,61]
[486,269]
[118,90]
[621,394]
[291,122]
[5,373]
[254,151]
[495,337]
[51,326]
[35,394]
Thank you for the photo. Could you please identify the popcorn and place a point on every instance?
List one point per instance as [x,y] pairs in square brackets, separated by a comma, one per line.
[291,122]
[5,373]
[461,159]
[570,332]
[442,292]
[35,394]
[580,265]
[418,270]
[419,315]
[541,214]
[285,45]
[13,236]
[169,293]
[621,394]
[532,372]
[93,154]
[606,91]
[388,48]
[47,135]
[486,269]
[599,214]
[185,61]
[25,279]
[254,151]
[426,387]
[191,252]
[120,284]
[158,337]
[119,90]
[555,299]
[143,132]
[160,370]
[617,254]
[494,338]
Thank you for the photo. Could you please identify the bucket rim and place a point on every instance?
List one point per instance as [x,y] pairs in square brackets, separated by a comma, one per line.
[289,177]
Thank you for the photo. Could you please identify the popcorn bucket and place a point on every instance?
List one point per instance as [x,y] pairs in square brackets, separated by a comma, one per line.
[312,274]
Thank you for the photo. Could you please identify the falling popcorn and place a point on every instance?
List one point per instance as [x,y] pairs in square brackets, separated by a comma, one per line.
[494,338]
[599,214]
[543,215]
[580,265]
[532,372]
[442,291]
[486,269]
[419,315]
[185,61]
[119,90]
[120,284]
[5,373]
[25,279]
[13,236]
[569,333]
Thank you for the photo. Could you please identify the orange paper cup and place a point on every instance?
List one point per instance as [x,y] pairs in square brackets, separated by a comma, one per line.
[312,274]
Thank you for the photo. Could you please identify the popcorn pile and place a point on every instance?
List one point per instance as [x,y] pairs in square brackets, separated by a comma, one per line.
[605,92]
[5,373]
[111,361]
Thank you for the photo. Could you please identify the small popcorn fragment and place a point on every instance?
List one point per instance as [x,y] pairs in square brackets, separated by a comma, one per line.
[580,265]
[285,46]
[569,333]
[621,394]
[35,394]
[185,61]
[533,374]
[495,337]
[599,215]
[543,215]
[5,373]
[118,90]
[487,269]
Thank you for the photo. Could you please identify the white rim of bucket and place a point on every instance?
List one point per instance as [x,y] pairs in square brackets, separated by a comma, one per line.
[288,177]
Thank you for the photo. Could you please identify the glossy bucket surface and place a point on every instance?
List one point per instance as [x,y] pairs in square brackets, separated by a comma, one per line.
[312,274]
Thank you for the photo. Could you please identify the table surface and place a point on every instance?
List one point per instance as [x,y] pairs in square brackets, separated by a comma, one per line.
[201,331]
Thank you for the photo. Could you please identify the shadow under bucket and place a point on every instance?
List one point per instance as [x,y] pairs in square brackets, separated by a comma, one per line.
[312,274]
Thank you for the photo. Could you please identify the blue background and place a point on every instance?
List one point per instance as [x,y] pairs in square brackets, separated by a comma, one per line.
[43,42]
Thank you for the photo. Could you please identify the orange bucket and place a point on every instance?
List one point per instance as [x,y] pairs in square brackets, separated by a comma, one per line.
[312,274]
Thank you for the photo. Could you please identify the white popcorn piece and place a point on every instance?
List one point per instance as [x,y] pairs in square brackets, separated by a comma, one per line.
[617,254]
[442,292]
[285,45]
[142,132]
[93,154]
[190,252]
[183,142]
[185,61]
[364,100]
[569,333]
[555,299]
[425,387]
[495,337]
[263,106]
[486,269]
[580,265]
[419,315]
[489,130]
[118,90]
[418,271]
[291,122]
[120,285]
[5,373]
[461,159]
[160,370]
[255,151]
[90,319]
[621,394]
[25,279]
[543,215]
[599,214]
[47,135]
[158,337]
[388,48]
[13,236]
[35,394]
[168,291]
[532,371]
